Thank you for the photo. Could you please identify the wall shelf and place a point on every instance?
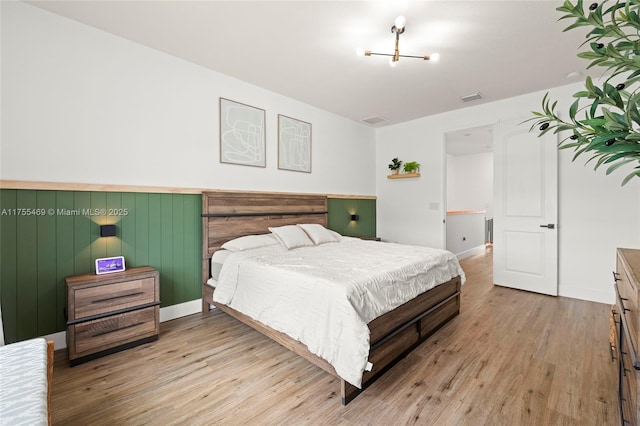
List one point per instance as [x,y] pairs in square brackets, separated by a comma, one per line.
[404,176]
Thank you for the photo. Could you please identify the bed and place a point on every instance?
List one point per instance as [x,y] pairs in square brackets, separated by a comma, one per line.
[26,377]
[391,335]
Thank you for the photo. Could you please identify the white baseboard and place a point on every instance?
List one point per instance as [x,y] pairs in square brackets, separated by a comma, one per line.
[59,339]
[593,295]
[166,314]
[470,252]
[180,310]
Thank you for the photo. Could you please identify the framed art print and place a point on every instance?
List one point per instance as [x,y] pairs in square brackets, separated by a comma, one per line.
[242,134]
[108,265]
[294,144]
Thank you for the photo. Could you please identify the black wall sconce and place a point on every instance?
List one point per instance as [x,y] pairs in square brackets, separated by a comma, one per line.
[107,230]
[355,217]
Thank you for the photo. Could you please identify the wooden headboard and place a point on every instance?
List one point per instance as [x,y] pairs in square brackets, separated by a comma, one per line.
[227,215]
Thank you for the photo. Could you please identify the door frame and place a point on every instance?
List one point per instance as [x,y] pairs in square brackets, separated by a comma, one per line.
[469,125]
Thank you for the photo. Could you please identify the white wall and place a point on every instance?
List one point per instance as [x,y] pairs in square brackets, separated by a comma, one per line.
[470,185]
[596,215]
[465,234]
[73,96]
[82,105]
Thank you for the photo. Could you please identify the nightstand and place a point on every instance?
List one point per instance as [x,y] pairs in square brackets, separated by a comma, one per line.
[111,312]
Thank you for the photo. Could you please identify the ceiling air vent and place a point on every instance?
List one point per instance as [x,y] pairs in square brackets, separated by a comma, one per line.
[471,97]
[376,119]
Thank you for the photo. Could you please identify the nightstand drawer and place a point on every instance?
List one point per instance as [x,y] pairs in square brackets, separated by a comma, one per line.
[104,333]
[111,312]
[112,297]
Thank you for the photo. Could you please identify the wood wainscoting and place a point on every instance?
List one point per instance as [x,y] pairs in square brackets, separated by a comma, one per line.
[509,358]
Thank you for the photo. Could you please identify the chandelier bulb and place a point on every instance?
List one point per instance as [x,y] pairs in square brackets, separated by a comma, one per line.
[398,28]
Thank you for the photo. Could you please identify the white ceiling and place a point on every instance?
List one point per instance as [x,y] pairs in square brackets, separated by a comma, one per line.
[470,141]
[306,49]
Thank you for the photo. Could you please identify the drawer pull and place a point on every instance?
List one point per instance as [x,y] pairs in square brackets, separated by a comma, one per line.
[623,307]
[106,299]
[117,329]
[615,276]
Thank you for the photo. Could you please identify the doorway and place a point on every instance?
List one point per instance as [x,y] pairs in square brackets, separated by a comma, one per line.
[469,190]
[519,191]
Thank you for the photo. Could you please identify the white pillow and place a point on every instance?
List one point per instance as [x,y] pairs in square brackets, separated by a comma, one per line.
[336,235]
[250,242]
[291,236]
[318,233]
[217,260]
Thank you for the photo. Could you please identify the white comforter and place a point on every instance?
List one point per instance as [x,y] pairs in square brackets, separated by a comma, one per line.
[324,296]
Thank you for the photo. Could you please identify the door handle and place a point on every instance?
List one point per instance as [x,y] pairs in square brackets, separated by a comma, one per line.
[549,225]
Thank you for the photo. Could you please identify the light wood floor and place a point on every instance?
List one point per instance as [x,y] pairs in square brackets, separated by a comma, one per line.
[509,358]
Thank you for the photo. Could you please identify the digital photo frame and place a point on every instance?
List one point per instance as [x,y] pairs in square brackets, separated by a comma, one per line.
[108,265]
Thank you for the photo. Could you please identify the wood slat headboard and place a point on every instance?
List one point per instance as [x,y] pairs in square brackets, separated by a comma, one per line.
[227,215]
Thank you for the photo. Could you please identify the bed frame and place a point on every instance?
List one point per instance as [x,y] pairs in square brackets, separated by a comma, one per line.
[227,215]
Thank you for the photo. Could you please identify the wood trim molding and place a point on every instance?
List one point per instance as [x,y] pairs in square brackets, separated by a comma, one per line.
[63,186]
[66,186]
[455,212]
[352,197]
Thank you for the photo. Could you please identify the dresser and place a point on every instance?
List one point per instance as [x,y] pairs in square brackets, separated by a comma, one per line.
[111,312]
[627,328]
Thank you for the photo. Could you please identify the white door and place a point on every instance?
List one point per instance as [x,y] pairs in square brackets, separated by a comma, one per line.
[525,241]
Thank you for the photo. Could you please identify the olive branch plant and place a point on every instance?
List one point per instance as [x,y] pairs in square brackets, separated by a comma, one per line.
[609,123]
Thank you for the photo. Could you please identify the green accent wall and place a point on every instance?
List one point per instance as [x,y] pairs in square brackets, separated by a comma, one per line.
[46,236]
[340,211]
[61,237]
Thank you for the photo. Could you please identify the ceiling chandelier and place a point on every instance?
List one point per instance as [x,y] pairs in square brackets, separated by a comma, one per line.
[398,28]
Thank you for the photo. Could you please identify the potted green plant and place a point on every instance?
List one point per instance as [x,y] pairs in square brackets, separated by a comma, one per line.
[395,166]
[604,120]
[411,167]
